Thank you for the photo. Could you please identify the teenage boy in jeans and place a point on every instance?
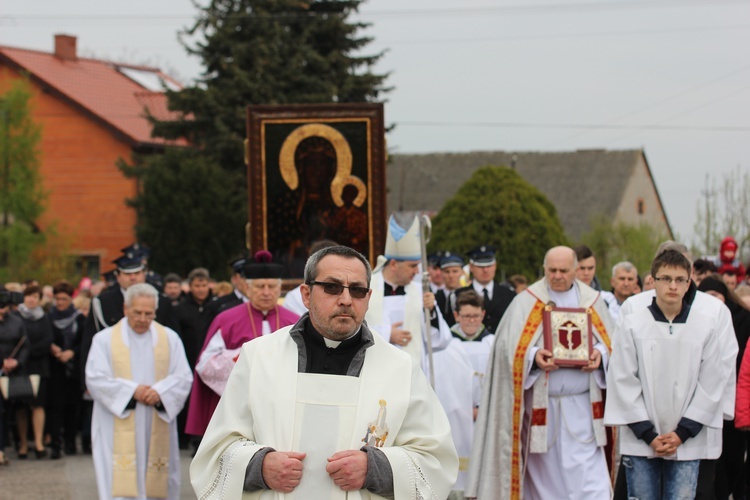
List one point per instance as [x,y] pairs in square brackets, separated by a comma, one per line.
[667,384]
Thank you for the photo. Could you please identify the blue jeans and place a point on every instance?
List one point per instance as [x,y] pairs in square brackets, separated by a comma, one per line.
[656,478]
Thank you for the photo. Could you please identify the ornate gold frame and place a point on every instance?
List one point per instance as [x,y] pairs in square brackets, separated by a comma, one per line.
[316,120]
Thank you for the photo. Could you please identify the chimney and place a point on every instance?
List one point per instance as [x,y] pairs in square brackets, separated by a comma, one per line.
[65,47]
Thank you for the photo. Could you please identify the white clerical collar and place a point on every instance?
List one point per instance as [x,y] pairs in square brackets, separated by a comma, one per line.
[568,298]
[335,343]
[391,284]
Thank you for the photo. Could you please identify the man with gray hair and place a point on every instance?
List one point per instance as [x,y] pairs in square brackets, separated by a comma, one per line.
[326,408]
[139,379]
[624,280]
[539,432]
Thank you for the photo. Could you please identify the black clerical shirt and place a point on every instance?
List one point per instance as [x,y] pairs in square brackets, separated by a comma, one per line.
[330,360]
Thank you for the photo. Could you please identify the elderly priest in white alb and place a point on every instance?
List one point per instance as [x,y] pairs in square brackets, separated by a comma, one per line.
[139,378]
[539,432]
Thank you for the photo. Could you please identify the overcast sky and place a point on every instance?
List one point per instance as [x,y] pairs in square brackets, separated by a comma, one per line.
[669,76]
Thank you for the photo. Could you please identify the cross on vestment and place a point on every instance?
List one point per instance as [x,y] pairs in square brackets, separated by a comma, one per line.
[159,464]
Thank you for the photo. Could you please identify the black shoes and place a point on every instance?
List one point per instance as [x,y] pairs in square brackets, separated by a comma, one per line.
[56,455]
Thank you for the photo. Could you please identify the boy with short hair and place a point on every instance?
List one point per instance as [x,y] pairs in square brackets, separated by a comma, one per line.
[669,384]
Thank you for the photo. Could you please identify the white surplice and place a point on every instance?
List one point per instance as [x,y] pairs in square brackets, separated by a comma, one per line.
[459,392]
[702,301]
[384,311]
[267,402]
[111,396]
[662,371]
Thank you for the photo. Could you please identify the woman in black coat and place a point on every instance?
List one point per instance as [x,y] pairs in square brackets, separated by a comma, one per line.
[65,396]
[39,333]
[11,333]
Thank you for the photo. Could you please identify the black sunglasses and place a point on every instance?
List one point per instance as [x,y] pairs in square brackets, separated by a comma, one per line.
[357,292]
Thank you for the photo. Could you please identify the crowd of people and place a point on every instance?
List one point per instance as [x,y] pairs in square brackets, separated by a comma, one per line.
[529,379]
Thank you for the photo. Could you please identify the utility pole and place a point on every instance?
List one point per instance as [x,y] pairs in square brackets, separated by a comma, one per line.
[708,195]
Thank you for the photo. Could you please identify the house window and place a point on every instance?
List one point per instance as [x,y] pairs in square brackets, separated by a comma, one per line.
[641,206]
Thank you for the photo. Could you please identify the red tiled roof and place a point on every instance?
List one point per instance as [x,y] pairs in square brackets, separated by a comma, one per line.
[101,89]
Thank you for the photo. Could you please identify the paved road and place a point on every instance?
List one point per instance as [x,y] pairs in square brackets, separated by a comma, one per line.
[70,478]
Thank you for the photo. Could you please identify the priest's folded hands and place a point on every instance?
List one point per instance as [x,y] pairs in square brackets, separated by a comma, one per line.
[146,395]
[282,470]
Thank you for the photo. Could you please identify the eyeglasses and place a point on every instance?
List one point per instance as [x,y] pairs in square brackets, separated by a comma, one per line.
[470,317]
[666,279]
[357,292]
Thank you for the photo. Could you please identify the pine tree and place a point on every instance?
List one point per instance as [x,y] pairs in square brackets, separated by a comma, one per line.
[253,52]
[497,207]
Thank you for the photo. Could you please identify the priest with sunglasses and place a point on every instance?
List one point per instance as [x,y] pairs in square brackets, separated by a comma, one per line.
[327,409]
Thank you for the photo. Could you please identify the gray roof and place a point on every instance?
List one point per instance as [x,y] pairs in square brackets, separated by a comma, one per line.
[580,184]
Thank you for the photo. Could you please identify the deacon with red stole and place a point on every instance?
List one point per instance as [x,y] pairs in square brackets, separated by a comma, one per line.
[539,431]
[139,378]
[261,315]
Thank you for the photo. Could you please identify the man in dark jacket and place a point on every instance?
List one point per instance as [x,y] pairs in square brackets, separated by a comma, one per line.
[497,298]
[238,296]
[194,318]
[193,315]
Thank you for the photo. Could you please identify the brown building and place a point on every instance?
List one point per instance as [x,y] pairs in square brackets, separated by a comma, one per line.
[92,113]
[581,184]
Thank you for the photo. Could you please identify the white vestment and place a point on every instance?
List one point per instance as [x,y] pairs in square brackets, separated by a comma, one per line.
[727,338]
[546,425]
[266,396]
[384,311]
[478,351]
[663,371]
[453,376]
[111,396]
[460,392]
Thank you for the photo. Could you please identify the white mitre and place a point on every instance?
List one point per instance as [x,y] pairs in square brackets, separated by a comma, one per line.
[403,244]
[400,243]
